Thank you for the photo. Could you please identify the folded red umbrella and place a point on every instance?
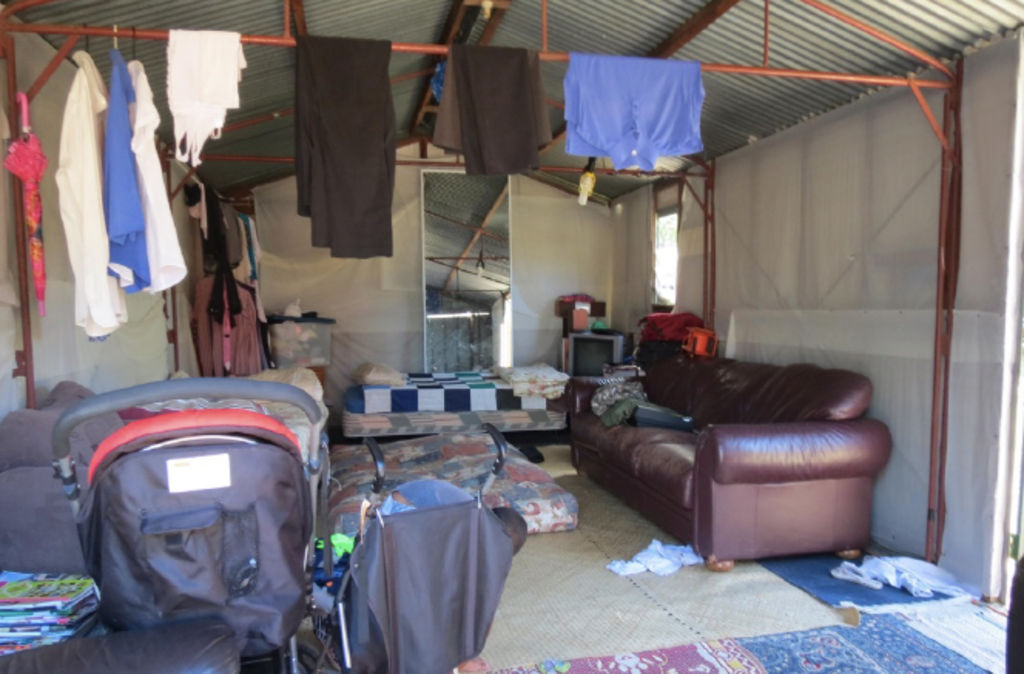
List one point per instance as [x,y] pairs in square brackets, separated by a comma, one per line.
[26,160]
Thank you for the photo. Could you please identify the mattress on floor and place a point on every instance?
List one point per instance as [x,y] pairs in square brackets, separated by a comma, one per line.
[463,459]
[423,423]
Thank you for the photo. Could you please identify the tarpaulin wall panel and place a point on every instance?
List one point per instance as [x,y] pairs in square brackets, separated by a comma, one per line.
[826,253]
[632,292]
[558,247]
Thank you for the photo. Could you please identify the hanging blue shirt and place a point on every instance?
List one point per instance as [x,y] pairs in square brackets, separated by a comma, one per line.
[632,109]
[126,226]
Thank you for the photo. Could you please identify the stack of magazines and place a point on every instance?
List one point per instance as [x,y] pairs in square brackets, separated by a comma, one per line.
[41,609]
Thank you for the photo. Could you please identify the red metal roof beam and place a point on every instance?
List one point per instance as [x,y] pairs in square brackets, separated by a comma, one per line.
[692,27]
[299,14]
[52,66]
[879,35]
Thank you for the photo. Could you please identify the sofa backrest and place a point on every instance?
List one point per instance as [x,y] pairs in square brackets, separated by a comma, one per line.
[724,391]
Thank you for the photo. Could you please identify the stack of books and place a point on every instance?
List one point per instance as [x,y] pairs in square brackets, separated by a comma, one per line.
[41,609]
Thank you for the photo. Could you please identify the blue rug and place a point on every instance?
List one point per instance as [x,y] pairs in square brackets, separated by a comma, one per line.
[810,573]
[882,643]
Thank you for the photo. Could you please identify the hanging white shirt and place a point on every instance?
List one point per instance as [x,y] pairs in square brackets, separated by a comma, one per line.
[166,263]
[99,300]
[204,68]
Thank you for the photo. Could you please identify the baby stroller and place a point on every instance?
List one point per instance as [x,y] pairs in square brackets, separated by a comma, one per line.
[196,528]
[424,578]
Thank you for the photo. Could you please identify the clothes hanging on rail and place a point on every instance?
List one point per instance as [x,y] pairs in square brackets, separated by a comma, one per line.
[492,109]
[195,199]
[204,68]
[226,345]
[232,235]
[632,109]
[345,143]
[99,300]
[166,263]
[248,270]
[126,225]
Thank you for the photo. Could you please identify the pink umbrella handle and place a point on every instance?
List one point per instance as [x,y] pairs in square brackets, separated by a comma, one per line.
[26,125]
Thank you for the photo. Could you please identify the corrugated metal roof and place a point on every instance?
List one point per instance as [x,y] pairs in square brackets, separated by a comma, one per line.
[738,109]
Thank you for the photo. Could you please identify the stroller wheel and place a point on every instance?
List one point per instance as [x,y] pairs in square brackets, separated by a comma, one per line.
[314,657]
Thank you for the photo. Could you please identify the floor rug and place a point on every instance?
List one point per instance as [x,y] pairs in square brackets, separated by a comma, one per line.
[881,644]
[811,574]
[976,631]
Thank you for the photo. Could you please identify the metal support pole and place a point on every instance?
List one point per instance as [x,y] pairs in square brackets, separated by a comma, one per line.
[767,11]
[24,363]
[52,66]
[442,50]
[709,199]
[172,334]
[948,260]
[543,25]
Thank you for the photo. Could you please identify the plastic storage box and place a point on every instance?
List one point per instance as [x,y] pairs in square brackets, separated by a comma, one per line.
[300,342]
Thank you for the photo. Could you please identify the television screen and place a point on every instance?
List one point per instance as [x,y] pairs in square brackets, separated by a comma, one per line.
[589,352]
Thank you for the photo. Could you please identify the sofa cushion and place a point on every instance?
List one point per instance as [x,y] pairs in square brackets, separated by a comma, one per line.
[37,531]
[724,391]
[660,457]
[25,435]
[667,467]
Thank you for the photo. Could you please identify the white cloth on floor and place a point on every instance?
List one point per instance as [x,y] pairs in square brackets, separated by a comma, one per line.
[657,558]
[851,572]
[166,263]
[99,300]
[204,68]
[919,578]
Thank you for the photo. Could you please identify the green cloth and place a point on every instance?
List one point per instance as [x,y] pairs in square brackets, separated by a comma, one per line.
[340,544]
[619,412]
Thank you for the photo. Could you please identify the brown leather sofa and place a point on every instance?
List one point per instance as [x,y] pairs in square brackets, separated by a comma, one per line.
[781,461]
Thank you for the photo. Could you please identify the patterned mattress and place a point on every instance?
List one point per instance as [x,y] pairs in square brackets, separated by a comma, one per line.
[423,423]
[463,459]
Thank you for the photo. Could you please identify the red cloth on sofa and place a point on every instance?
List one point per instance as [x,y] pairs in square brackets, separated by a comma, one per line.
[668,327]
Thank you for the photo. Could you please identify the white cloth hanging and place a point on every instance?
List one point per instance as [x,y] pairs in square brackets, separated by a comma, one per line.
[99,300]
[166,263]
[204,68]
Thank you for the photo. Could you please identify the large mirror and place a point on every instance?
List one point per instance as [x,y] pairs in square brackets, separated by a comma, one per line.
[467,273]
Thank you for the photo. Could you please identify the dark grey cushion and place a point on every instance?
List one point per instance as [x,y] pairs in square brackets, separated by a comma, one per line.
[25,434]
[37,532]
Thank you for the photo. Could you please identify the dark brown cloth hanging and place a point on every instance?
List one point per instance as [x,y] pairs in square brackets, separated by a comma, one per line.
[492,109]
[345,143]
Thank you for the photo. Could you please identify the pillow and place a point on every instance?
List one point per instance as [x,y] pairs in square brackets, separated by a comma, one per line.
[614,391]
[375,374]
[620,412]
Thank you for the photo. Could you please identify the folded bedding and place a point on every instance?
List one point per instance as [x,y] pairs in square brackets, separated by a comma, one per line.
[441,392]
[540,380]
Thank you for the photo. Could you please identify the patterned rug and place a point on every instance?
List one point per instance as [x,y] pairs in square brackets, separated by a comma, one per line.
[881,644]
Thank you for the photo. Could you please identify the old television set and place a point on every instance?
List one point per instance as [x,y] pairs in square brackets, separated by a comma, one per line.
[588,352]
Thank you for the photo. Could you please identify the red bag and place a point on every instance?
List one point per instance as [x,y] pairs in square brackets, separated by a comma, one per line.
[668,327]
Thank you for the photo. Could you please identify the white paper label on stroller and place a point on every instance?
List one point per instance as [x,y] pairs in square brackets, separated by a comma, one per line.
[195,473]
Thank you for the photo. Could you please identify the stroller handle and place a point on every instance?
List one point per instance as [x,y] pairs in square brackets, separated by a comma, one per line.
[198,387]
[500,444]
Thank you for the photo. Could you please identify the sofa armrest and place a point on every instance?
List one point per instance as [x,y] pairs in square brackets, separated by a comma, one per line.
[792,452]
